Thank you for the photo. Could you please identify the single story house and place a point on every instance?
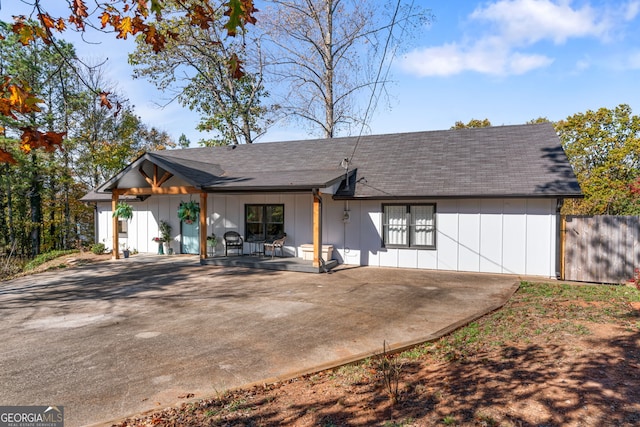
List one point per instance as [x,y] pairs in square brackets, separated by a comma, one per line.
[478,200]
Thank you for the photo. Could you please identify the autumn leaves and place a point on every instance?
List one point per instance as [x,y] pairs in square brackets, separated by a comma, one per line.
[124,18]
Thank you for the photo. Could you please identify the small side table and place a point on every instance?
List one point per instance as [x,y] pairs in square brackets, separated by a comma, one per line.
[257,247]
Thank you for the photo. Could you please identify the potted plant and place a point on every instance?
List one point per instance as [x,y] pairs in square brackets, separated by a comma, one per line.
[123,211]
[165,235]
[188,211]
[159,241]
[212,241]
[125,250]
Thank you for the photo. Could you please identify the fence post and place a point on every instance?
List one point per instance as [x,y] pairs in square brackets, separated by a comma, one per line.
[563,245]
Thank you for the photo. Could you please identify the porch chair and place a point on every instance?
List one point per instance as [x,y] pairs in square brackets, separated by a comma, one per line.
[276,244]
[233,240]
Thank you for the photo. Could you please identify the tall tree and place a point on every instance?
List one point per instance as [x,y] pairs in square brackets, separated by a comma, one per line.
[473,123]
[39,189]
[603,147]
[197,65]
[42,68]
[324,54]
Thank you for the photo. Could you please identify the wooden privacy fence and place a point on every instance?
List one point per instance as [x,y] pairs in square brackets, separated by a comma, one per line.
[601,248]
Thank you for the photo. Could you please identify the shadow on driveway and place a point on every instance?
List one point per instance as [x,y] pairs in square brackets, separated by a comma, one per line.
[120,337]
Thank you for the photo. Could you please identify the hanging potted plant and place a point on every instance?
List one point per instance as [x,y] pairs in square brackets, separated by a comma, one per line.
[123,211]
[188,211]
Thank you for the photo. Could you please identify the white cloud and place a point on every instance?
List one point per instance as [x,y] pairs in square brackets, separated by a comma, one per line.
[524,22]
[520,63]
[510,28]
[482,58]
[631,11]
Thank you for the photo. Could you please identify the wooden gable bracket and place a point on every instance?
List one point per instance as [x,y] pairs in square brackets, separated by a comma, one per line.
[155,182]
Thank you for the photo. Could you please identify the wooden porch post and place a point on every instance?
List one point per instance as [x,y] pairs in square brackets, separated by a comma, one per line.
[203,225]
[114,224]
[317,228]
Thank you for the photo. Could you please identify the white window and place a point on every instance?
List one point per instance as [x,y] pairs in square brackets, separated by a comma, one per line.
[123,227]
[409,225]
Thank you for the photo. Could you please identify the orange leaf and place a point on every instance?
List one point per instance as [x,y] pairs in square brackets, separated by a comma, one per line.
[234,64]
[32,139]
[61,25]
[6,157]
[51,140]
[79,9]
[24,32]
[104,19]
[125,28]
[104,100]
[6,108]
[25,146]
[46,20]
[21,100]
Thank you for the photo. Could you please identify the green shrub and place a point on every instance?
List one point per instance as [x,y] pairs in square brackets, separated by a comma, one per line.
[98,248]
[48,256]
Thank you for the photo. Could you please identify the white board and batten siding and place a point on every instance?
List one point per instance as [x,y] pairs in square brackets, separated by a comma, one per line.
[512,236]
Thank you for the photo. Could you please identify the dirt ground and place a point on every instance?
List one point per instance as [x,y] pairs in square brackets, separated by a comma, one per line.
[555,355]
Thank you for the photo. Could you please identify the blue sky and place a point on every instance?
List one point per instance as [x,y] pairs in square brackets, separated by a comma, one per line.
[506,60]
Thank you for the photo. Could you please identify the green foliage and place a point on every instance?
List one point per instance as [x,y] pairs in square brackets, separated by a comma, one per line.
[39,194]
[473,123]
[188,211]
[45,257]
[98,248]
[449,420]
[538,120]
[123,211]
[229,105]
[165,231]
[603,147]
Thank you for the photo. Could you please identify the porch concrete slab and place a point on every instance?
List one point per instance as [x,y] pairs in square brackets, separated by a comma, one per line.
[269,263]
[121,337]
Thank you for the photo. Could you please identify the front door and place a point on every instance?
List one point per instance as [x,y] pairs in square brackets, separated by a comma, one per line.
[190,232]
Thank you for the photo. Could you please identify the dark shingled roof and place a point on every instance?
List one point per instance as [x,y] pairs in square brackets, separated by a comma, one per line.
[500,161]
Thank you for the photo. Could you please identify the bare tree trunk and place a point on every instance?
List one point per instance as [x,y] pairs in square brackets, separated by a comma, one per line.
[67,235]
[7,214]
[35,202]
[329,130]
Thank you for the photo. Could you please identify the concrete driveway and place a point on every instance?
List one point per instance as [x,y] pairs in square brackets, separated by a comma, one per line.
[120,337]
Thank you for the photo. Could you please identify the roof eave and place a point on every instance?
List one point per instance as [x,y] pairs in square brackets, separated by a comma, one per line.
[461,196]
[110,185]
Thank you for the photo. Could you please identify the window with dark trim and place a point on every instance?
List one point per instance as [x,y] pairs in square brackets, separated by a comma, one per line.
[123,226]
[263,222]
[409,226]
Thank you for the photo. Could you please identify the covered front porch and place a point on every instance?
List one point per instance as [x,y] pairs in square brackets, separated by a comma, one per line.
[268,263]
[163,177]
